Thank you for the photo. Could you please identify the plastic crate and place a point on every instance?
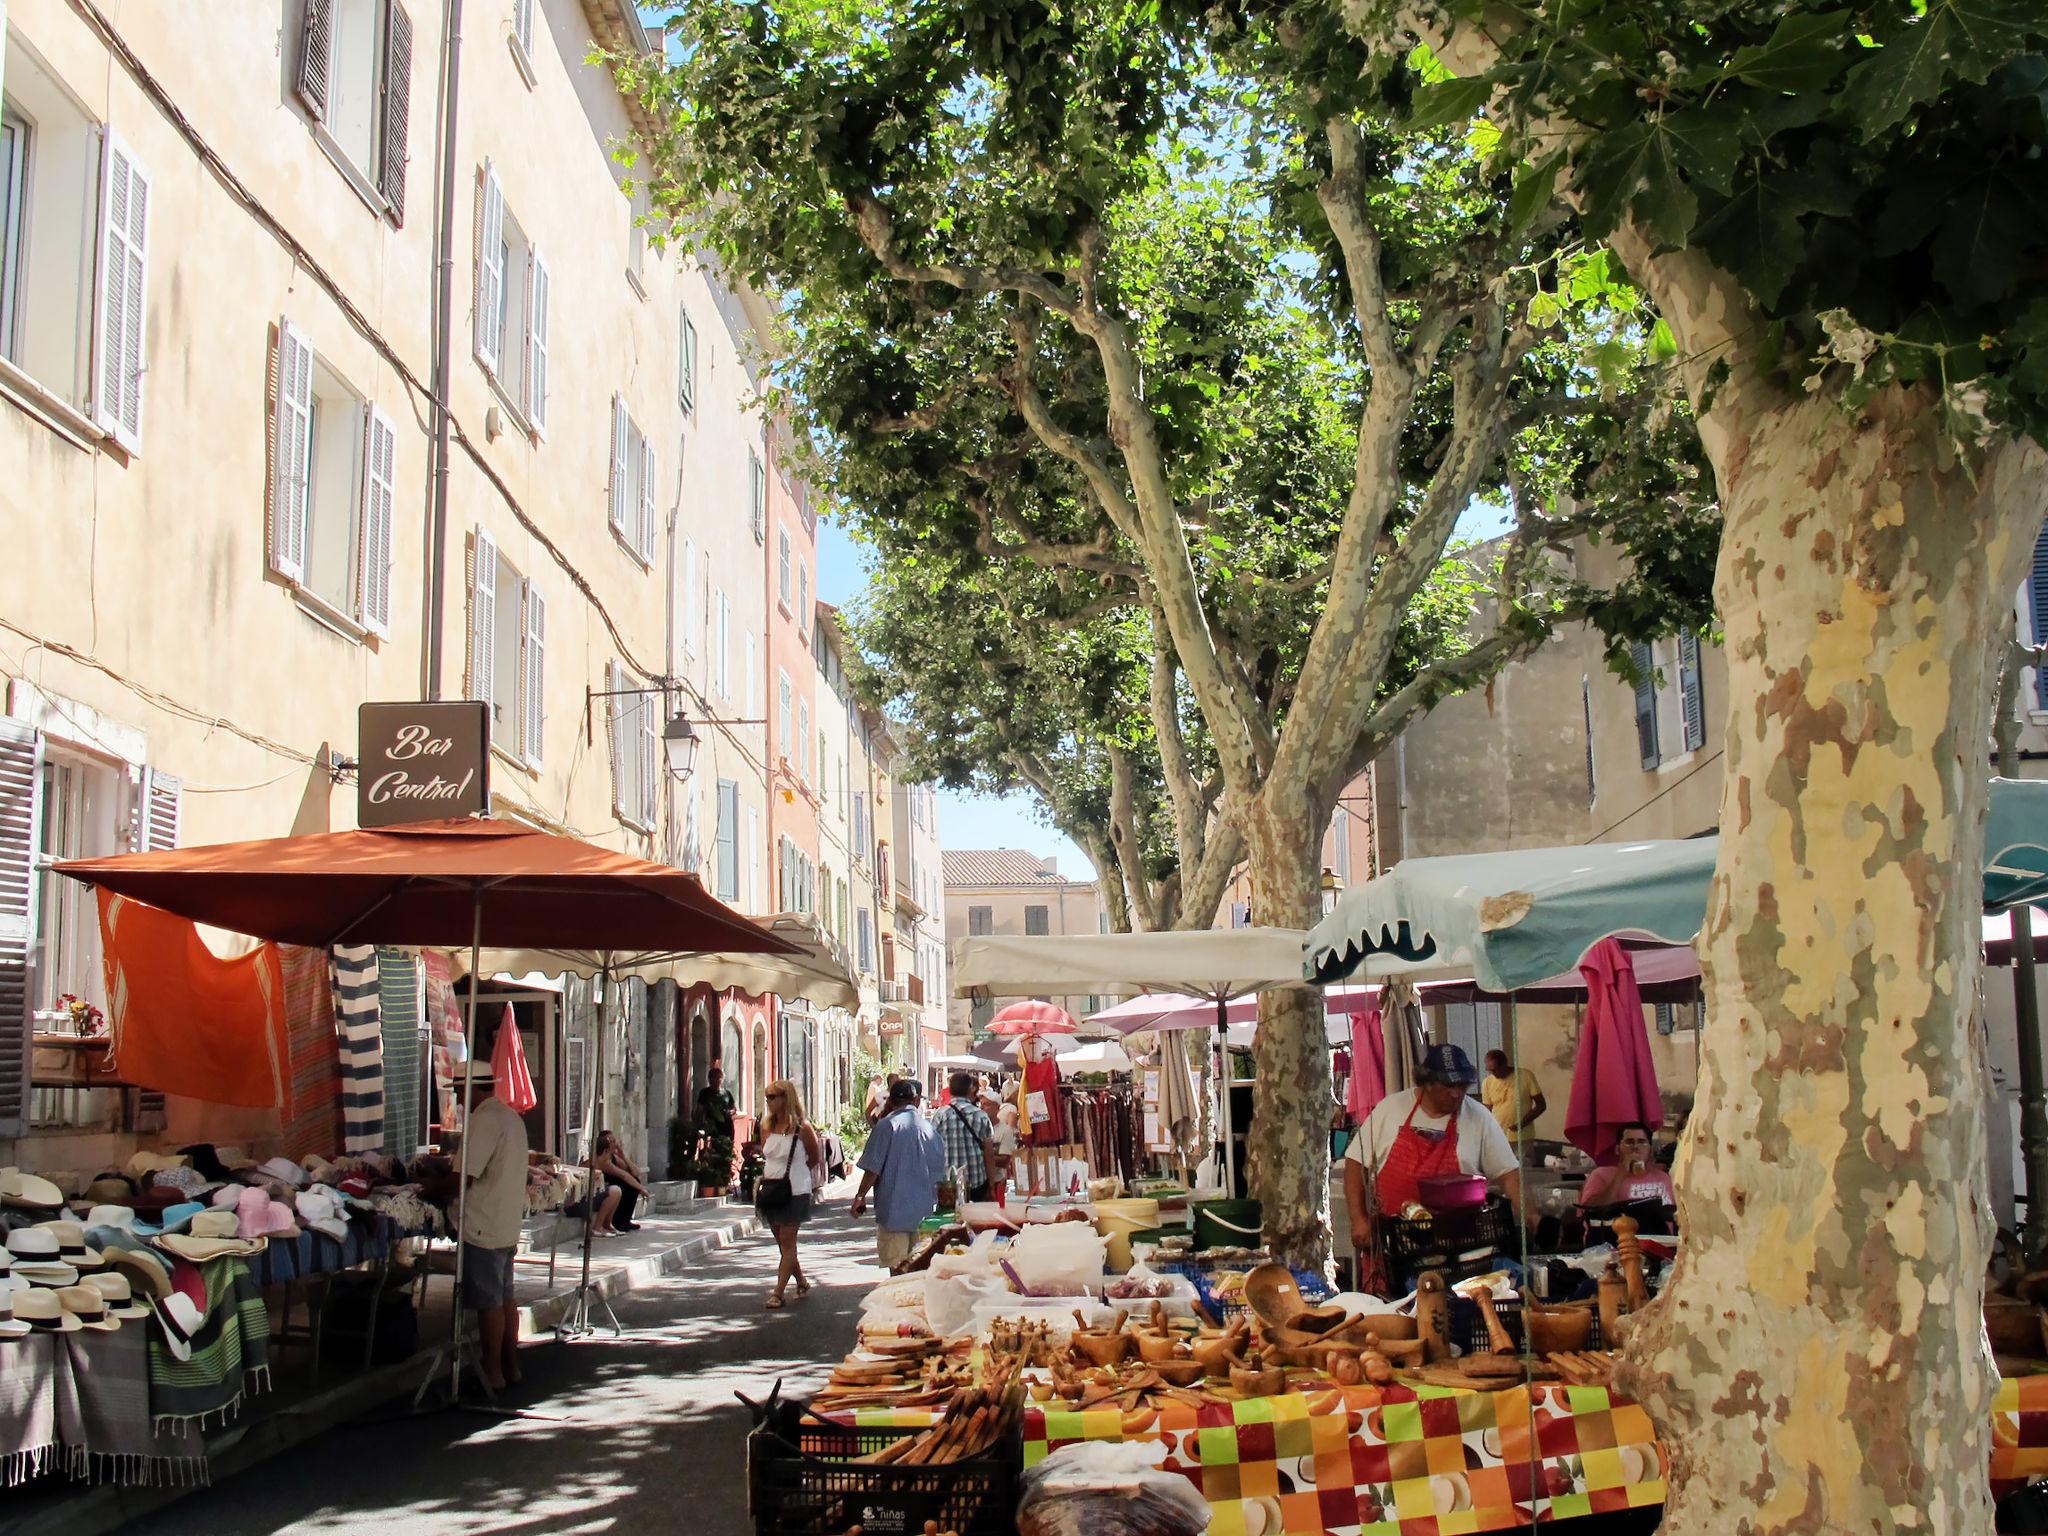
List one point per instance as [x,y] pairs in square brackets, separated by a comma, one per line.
[1485,1232]
[803,1480]
[1202,1272]
[1468,1324]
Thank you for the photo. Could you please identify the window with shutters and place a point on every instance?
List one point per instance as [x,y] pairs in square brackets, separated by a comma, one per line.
[508,651]
[2034,613]
[686,364]
[354,81]
[75,216]
[721,643]
[1586,707]
[513,291]
[1035,920]
[635,730]
[1670,700]
[632,488]
[785,704]
[82,815]
[784,566]
[728,871]
[757,481]
[803,740]
[333,489]
[980,921]
[521,38]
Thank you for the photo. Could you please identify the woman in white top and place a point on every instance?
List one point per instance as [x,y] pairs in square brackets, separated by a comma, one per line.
[791,1161]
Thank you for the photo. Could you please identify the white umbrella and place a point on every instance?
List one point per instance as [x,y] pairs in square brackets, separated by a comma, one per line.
[1098,1056]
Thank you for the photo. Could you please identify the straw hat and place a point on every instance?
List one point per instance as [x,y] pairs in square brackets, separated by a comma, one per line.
[284,1170]
[258,1216]
[119,1218]
[29,1191]
[212,1236]
[35,1257]
[44,1313]
[89,1307]
[11,1327]
[119,1294]
[110,1189]
[146,1269]
[71,1247]
[144,1163]
[175,1218]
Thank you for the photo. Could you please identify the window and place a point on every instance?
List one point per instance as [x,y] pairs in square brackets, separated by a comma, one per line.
[691,608]
[333,477]
[1644,666]
[507,651]
[632,489]
[1475,1027]
[1692,702]
[803,740]
[803,600]
[1586,703]
[522,36]
[728,873]
[757,480]
[512,289]
[783,707]
[721,646]
[981,1011]
[355,80]
[686,365]
[80,817]
[752,680]
[866,934]
[1670,702]
[752,896]
[74,250]
[1340,843]
[636,237]
[981,920]
[572,1113]
[635,748]
[1036,920]
[782,567]
[796,877]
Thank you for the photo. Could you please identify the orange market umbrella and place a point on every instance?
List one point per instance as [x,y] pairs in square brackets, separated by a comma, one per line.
[1032,1017]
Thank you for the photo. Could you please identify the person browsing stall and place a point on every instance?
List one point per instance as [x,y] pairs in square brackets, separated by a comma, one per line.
[1433,1130]
[969,1136]
[493,1207]
[903,1162]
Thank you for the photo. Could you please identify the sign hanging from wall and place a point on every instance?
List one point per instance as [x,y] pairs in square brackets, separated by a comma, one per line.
[422,762]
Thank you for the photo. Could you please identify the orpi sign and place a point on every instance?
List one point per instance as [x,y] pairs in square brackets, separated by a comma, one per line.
[422,762]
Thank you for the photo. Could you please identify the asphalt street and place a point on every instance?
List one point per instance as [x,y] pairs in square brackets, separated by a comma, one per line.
[622,1436]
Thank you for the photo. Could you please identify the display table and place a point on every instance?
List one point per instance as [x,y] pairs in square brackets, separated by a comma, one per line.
[2019,1433]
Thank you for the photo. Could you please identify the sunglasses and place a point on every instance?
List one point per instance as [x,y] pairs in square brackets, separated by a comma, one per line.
[774,1096]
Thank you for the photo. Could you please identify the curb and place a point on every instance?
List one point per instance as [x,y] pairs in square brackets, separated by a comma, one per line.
[539,1320]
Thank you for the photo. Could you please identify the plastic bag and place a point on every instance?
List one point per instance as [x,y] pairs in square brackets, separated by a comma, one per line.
[949,1301]
[1067,1255]
[1175,1293]
[894,1323]
[1103,1488]
[906,1293]
[979,1259]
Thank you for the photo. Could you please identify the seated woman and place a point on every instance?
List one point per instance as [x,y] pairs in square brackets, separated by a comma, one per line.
[623,1188]
[1634,1178]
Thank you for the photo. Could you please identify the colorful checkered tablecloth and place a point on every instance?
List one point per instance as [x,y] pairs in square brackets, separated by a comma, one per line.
[2019,1433]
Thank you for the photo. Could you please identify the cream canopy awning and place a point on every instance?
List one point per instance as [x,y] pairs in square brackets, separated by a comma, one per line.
[1207,962]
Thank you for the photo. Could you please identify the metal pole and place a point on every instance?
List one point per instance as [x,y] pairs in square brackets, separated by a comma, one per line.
[2025,999]
[578,1322]
[476,944]
[444,309]
[1227,1152]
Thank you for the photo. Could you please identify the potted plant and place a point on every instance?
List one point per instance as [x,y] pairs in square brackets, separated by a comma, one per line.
[751,1160]
[714,1168]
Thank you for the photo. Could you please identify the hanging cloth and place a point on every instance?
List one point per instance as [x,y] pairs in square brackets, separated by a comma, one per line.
[362,1048]
[398,1016]
[1367,1084]
[510,1080]
[184,1020]
[312,1122]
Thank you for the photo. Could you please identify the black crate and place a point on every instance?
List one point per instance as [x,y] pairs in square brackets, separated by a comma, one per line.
[1468,1324]
[1460,1243]
[802,1480]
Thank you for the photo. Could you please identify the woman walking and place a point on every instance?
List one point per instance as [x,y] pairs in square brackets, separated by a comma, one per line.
[792,1166]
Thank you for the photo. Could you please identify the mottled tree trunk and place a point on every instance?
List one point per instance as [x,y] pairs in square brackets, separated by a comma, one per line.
[1288,1150]
[1818,1363]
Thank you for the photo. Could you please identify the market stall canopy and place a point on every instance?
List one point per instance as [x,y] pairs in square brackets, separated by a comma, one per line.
[1208,962]
[435,884]
[1177,1010]
[2016,843]
[815,968]
[1100,1056]
[1998,949]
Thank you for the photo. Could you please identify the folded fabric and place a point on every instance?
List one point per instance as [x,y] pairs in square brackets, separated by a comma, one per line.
[219,1349]
[184,1020]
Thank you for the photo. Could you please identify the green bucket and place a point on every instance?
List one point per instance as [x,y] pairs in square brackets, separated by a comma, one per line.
[1228,1224]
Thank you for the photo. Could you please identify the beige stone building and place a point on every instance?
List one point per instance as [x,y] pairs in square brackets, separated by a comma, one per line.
[228,523]
[1008,891]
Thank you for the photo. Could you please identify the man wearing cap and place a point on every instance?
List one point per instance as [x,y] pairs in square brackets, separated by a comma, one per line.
[493,1206]
[1433,1130]
[903,1162]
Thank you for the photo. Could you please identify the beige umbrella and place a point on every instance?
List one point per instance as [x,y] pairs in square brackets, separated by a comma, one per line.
[1180,1115]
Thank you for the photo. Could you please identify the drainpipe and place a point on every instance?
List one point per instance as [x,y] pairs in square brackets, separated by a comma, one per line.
[444,319]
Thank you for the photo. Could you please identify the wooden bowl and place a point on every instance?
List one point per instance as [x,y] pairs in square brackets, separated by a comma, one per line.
[1102,1349]
[1271,1295]
[1557,1330]
[1255,1381]
[2015,1327]
[1179,1373]
[1153,1348]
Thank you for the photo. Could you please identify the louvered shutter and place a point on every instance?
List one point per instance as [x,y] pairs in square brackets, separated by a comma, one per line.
[647,487]
[155,827]
[522,25]
[621,430]
[649,746]
[537,345]
[483,623]
[380,470]
[1586,707]
[291,452]
[728,840]
[397,108]
[690,605]
[616,718]
[1646,703]
[124,293]
[316,50]
[533,706]
[2037,593]
[1692,701]
[490,271]
[686,372]
[21,772]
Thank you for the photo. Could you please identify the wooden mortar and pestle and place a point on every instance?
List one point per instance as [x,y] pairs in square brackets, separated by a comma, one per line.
[1498,1339]
[1260,1377]
[1101,1347]
[1162,1342]
[1562,1329]
[1216,1353]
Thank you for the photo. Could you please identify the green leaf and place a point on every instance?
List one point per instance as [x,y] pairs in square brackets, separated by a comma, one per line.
[1906,71]
[1805,53]
[1756,235]
[1610,174]
[1545,310]
[1977,253]
[1663,345]
[1706,142]
[1534,187]
[1452,101]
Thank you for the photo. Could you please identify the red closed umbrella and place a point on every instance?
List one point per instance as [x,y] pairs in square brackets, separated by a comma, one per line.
[1615,1081]
[1032,1017]
[510,1080]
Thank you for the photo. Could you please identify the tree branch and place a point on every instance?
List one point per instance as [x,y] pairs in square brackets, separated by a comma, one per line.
[1124,835]
[877,229]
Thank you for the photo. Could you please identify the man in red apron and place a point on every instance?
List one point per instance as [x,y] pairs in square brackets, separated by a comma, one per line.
[1433,1130]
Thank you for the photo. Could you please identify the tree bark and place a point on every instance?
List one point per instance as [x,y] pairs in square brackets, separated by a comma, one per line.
[1288,1147]
[1817,1363]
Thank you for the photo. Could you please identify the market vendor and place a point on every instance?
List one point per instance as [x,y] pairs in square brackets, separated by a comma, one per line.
[1433,1130]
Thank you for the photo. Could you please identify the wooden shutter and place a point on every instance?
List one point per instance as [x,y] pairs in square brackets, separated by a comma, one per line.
[490,270]
[1586,707]
[647,487]
[615,717]
[397,108]
[1646,703]
[622,428]
[123,292]
[686,367]
[537,344]
[1692,701]
[291,452]
[758,490]
[2037,594]
[649,748]
[21,775]
[483,621]
[157,798]
[782,564]
[380,460]
[316,51]
[533,701]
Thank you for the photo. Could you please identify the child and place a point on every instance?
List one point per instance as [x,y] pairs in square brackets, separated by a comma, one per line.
[1005,1145]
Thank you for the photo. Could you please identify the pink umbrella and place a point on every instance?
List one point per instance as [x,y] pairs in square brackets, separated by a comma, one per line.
[509,1078]
[1614,1081]
[1368,1082]
[1032,1017]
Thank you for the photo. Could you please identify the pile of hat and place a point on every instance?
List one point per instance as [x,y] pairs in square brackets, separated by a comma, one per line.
[51,1279]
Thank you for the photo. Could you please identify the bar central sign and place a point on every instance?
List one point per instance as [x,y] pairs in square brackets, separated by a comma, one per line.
[422,762]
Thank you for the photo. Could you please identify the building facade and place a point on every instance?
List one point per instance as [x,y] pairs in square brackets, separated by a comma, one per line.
[1010,892]
[219,318]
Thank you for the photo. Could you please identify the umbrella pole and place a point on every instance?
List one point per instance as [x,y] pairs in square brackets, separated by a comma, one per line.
[1226,1159]
[577,1323]
[2026,1012]
[476,944]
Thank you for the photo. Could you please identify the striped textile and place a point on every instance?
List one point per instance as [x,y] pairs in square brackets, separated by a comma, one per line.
[444,1027]
[356,1007]
[312,1119]
[230,1353]
[398,985]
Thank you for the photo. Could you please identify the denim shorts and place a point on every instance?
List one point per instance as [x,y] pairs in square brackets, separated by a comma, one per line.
[486,1277]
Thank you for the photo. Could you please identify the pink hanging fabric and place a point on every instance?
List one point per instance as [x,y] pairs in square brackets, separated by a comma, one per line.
[1615,1081]
[1368,1082]
[510,1080]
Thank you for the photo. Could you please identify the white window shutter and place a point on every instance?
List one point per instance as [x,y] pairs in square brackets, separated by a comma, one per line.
[533,708]
[686,366]
[291,452]
[490,271]
[621,430]
[650,745]
[397,108]
[21,776]
[483,620]
[537,344]
[522,25]
[316,49]
[689,597]
[647,489]
[616,717]
[380,458]
[123,293]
